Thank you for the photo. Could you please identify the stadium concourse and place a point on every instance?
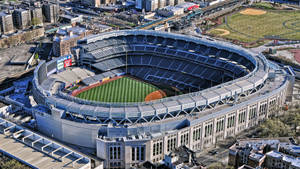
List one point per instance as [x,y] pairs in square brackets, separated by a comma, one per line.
[226,89]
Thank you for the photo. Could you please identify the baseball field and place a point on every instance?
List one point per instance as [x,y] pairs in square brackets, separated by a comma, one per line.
[125,89]
[249,25]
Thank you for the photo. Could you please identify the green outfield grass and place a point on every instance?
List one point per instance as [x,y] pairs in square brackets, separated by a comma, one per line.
[124,89]
[246,28]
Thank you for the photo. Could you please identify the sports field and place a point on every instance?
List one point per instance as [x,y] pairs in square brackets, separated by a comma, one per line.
[124,89]
[249,25]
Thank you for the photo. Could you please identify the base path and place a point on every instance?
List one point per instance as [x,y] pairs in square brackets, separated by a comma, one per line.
[78,91]
[251,11]
[158,94]
[225,32]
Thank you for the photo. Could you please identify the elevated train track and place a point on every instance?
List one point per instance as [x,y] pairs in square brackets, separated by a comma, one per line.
[184,20]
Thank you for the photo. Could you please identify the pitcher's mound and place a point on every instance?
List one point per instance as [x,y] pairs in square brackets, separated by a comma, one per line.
[251,11]
[225,32]
[158,94]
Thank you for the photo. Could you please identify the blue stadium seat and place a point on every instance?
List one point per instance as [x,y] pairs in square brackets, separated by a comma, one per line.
[150,39]
[139,48]
[201,58]
[150,48]
[174,65]
[140,38]
[170,42]
[146,59]
[160,50]
[154,60]
[180,44]
[181,54]
[165,63]
[211,61]
[201,49]
[129,39]
[159,40]
[213,51]
[170,51]
[191,56]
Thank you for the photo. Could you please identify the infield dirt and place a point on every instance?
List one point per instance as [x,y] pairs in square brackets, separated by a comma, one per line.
[251,11]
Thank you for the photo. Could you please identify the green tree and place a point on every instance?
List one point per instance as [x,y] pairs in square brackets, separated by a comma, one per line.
[218,165]
[35,21]
[293,120]
[274,128]
[7,163]
[13,164]
[36,56]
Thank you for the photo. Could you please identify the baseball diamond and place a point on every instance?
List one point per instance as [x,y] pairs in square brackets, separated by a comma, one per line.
[250,25]
[123,89]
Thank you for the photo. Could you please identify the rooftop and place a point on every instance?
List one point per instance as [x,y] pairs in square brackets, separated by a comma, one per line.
[290,147]
[65,33]
[255,144]
[4,14]
[286,158]
[256,156]
[38,155]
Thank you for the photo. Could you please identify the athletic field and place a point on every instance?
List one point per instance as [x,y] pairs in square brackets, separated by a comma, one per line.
[124,89]
[250,25]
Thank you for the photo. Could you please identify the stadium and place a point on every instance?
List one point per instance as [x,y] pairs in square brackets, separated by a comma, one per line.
[135,95]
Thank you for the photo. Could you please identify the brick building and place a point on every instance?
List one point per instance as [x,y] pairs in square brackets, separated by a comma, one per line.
[67,38]
[264,154]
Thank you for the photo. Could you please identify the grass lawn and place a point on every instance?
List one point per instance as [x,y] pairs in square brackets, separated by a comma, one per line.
[73,88]
[246,28]
[124,89]
[265,5]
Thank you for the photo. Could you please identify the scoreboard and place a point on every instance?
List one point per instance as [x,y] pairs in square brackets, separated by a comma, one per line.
[63,62]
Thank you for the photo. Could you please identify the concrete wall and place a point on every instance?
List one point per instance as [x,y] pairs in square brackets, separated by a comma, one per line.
[68,131]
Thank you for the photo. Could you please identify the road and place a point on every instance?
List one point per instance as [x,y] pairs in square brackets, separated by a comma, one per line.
[263,48]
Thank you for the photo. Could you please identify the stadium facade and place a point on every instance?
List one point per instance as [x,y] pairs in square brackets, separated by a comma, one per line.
[231,88]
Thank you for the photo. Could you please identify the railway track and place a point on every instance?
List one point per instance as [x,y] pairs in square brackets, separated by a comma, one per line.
[194,14]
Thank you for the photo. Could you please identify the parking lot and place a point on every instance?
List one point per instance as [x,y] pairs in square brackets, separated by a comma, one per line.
[12,59]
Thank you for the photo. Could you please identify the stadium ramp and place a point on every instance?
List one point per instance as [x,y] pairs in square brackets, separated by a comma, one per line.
[37,151]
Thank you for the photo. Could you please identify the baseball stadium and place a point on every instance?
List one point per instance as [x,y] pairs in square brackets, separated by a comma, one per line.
[136,95]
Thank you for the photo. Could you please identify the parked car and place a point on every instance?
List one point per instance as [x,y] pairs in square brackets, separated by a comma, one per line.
[293,141]
[213,152]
